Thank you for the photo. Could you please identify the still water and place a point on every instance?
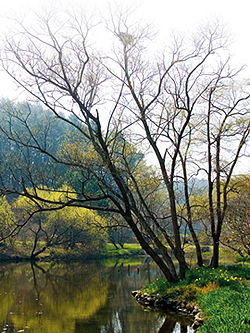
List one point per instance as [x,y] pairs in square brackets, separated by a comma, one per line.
[93,297]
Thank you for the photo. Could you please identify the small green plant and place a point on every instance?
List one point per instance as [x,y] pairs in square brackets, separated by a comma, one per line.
[242,259]
[159,286]
[187,293]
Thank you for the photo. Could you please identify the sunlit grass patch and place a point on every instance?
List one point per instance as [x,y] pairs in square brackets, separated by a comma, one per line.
[128,249]
[224,276]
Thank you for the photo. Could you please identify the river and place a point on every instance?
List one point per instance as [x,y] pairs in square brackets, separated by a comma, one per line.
[92,297]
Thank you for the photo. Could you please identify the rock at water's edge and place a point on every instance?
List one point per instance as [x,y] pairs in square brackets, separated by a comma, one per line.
[164,304]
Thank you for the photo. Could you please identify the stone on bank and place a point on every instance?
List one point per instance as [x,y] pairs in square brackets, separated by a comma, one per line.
[157,302]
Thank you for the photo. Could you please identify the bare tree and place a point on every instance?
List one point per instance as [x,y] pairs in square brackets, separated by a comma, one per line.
[228,128]
[56,67]
[165,99]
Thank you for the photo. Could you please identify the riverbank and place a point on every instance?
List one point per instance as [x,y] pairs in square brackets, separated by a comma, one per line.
[159,303]
[217,299]
[22,253]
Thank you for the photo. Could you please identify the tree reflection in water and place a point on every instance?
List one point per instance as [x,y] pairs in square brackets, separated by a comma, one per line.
[79,298]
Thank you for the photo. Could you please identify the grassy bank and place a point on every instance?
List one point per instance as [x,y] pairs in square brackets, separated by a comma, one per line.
[127,250]
[223,294]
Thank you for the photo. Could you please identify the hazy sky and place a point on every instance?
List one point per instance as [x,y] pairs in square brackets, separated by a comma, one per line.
[183,15]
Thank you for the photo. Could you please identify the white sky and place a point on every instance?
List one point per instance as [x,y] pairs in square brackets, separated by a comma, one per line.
[183,15]
[167,15]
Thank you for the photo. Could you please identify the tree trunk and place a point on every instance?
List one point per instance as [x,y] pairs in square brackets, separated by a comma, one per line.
[114,243]
[215,258]
[189,215]
[197,247]
[170,276]
[35,255]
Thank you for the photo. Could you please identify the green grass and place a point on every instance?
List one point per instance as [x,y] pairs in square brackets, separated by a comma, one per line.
[222,293]
[227,310]
[128,249]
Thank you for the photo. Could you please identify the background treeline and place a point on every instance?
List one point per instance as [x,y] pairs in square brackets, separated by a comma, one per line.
[74,226]
[87,229]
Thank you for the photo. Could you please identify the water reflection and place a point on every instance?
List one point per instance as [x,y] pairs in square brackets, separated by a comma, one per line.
[75,298]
